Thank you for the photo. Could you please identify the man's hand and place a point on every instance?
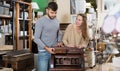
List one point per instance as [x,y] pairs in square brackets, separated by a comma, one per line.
[50,50]
[60,44]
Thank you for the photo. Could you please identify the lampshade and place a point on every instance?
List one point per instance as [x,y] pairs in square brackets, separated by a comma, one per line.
[91,10]
[115,51]
[88,5]
[34,6]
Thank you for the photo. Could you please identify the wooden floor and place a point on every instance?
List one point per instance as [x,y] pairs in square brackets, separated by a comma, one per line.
[96,68]
[103,67]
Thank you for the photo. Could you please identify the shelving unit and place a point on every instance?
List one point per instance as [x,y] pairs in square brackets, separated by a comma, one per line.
[19,24]
[23,24]
[6,19]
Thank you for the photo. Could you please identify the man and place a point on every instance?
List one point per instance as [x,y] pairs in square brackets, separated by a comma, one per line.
[46,35]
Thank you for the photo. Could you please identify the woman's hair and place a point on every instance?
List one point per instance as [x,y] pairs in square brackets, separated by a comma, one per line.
[84,27]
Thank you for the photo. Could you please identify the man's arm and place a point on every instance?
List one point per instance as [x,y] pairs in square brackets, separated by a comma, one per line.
[37,34]
[60,43]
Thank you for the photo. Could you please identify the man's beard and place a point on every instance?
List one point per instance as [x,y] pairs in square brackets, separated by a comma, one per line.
[50,17]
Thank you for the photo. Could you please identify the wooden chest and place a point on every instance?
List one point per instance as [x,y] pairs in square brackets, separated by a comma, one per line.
[71,59]
[19,62]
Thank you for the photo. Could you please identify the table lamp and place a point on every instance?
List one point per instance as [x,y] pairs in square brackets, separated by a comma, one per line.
[34,7]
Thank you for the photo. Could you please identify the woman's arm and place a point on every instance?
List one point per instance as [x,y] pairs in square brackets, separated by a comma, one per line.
[65,36]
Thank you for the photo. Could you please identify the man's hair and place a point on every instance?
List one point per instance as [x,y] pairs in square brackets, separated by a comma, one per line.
[53,6]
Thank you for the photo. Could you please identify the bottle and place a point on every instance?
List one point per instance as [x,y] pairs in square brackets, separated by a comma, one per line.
[1,9]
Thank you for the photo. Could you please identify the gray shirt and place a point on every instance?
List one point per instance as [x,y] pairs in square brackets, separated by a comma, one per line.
[47,32]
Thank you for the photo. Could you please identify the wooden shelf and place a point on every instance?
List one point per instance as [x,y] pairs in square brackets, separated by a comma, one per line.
[21,19]
[6,16]
[21,37]
[6,47]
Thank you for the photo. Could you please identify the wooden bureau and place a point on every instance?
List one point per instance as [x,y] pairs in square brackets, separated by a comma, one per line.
[67,59]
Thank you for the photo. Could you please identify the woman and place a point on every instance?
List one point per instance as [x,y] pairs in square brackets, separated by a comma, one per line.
[76,35]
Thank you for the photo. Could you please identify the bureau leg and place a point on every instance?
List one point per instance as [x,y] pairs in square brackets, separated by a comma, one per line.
[52,61]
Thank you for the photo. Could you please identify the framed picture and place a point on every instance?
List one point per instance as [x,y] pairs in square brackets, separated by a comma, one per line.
[77,6]
[108,4]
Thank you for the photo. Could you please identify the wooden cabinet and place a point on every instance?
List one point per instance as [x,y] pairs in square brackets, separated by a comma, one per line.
[67,59]
[23,24]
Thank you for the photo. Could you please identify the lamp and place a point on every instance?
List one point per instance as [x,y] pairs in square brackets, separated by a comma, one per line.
[34,7]
[114,51]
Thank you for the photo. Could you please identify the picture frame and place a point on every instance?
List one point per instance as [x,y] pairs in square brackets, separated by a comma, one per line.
[77,6]
[107,5]
[73,18]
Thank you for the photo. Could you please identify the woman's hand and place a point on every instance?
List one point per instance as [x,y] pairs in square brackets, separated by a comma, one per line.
[60,44]
[70,45]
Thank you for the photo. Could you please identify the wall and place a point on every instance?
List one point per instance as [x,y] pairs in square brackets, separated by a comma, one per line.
[63,13]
